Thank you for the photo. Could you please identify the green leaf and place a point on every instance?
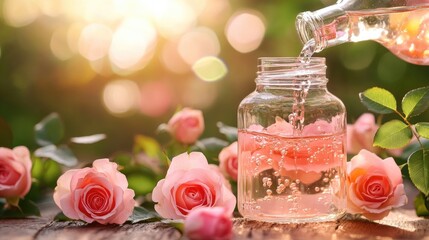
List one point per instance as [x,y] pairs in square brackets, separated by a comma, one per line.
[147,145]
[211,147]
[210,144]
[404,171]
[378,100]
[6,136]
[418,167]
[60,217]
[141,214]
[140,183]
[26,208]
[88,139]
[414,146]
[229,132]
[423,129]
[62,154]
[420,206]
[393,134]
[52,171]
[415,102]
[50,130]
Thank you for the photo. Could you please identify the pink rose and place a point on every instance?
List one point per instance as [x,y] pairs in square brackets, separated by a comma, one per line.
[374,185]
[208,223]
[187,125]
[191,183]
[15,172]
[229,161]
[98,194]
[361,134]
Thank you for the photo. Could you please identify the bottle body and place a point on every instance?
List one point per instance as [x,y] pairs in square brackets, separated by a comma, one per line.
[292,151]
[401,26]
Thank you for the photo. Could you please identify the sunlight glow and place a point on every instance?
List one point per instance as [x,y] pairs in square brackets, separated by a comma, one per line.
[51,8]
[210,69]
[172,18]
[245,31]
[94,41]
[131,42]
[19,13]
[121,97]
[198,43]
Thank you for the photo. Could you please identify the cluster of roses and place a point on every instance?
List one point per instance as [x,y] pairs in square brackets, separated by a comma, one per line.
[196,191]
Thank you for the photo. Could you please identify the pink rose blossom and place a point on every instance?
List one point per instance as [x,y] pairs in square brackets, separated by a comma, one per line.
[98,194]
[208,223]
[191,183]
[229,161]
[374,185]
[15,172]
[360,135]
[187,125]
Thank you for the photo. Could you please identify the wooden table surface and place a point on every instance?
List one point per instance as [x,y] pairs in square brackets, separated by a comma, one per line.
[400,224]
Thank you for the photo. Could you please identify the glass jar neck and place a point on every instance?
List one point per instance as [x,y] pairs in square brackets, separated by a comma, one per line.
[326,27]
[284,72]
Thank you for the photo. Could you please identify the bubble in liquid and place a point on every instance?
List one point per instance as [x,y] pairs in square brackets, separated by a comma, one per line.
[298,181]
[292,186]
[317,189]
[287,182]
[269,161]
[269,182]
[269,192]
[276,173]
[280,188]
[326,180]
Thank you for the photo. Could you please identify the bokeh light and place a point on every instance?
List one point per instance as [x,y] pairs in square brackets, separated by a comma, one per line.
[210,69]
[215,11]
[19,13]
[121,97]
[390,68]
[172,18]
[245,31]
[172,60]
[51,8]
[199,94]
[73,36]
[157,97]
[198,43]
[59,45]
[134,39]
[94,41]
[353,59]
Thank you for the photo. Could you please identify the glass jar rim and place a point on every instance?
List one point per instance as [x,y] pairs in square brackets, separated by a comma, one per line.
[292,60]
[289,70]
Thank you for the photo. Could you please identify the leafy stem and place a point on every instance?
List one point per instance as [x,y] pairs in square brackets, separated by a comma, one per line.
[410,125]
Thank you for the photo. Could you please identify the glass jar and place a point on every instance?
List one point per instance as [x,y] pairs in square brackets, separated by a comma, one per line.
[292,145]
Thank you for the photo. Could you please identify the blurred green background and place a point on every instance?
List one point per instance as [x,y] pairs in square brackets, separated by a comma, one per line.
[122,67]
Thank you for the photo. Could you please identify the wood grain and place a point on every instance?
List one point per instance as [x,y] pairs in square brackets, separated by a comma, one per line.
[400,224]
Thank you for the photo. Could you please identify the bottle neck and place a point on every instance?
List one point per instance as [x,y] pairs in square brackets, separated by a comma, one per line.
[291,73]
[326,27]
